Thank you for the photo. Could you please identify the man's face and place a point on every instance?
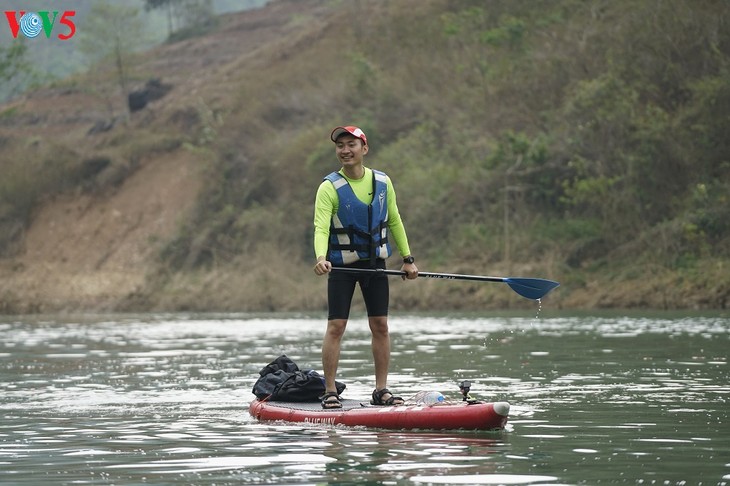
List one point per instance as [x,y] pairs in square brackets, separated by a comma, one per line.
[350,150]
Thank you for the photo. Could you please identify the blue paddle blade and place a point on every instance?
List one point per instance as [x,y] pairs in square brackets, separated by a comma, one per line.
[531,288]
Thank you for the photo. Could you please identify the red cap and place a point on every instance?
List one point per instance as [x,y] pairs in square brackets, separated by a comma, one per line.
[354,131]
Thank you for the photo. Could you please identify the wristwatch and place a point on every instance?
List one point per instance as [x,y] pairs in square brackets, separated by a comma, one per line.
[409,259]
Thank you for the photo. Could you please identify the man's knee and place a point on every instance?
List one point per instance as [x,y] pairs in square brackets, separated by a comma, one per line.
[336,328]
[379,324]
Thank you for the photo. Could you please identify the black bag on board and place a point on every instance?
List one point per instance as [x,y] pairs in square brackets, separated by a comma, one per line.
[283,381]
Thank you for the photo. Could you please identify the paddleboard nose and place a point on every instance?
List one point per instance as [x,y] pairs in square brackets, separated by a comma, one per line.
[501,408]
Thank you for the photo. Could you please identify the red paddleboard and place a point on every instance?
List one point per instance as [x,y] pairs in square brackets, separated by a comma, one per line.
[462,415]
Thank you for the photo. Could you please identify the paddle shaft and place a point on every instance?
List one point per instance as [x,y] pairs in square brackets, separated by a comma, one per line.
[531,288]
[451,276]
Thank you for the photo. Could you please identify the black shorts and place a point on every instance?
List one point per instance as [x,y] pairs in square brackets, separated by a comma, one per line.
[374,287]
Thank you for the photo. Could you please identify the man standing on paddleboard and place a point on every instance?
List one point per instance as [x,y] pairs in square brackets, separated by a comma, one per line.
[355,220]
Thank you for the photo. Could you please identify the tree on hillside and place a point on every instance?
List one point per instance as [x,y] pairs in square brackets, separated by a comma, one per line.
[13,66]
[112,33]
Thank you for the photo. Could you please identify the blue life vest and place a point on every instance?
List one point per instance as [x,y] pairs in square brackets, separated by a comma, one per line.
[359,231]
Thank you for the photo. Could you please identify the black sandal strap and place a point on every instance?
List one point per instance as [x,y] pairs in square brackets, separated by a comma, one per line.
[378,398]
[331,404]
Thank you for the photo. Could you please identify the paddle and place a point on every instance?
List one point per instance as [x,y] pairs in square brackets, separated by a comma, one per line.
[531,288]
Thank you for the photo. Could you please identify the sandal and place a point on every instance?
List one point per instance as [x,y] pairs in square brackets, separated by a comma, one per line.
[328,402]
[391,401]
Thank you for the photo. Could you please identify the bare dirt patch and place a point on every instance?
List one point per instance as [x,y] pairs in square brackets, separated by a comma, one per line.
[92,250]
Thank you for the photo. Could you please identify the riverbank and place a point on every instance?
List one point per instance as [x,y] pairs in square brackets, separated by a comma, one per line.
[52,289]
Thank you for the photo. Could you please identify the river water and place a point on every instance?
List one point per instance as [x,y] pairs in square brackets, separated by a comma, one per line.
[162,399]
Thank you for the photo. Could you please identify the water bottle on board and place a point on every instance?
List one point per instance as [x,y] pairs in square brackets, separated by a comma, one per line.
[429,398]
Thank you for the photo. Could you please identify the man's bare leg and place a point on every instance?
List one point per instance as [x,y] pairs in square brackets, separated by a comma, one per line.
[381,350]
[331,351]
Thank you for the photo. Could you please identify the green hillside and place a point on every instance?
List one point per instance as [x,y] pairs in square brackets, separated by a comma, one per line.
[582,141]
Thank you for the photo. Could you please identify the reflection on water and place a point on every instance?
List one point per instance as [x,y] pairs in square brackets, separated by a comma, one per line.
[163,399]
